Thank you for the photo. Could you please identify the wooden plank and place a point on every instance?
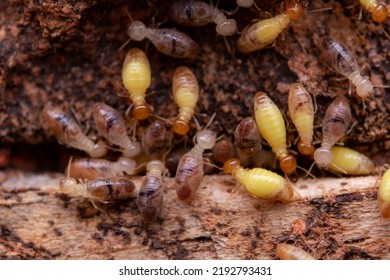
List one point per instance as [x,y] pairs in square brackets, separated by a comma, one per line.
[331,218]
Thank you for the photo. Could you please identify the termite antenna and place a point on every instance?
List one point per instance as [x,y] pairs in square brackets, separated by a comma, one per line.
[124,45]
[320,10]
[307,172]
[310,168]
[211,119]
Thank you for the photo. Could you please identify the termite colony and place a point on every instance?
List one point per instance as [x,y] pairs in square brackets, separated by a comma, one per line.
[260,140]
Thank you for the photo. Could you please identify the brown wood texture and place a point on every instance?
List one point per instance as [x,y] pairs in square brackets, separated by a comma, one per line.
[330,218]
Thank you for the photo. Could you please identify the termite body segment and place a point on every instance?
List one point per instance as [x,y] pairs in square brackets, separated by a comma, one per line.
[199,13]
[341,60]
[260,182]
[101,189]
[379,12]
[247,139]
[112,126]
[223,150]
[154,139]
[69,133]
[384,195]
[189,172]
[350,161]
[290,252]
[185,90]
[168,41]
[86,168]
[150,198]
[264,32]
[271,125]
[300,106]
[136,77]
[335,124]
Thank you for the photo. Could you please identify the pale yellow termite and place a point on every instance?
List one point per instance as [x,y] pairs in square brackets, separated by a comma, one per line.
[185,90]
[379,12]
[350,162]
[260,182]
[136,77]
[69,133]
[190,172]
[150,198]
[335,124]
[342,60]
[168,41]
[290,252]
[112,126]
[384,195]
[199,13]
[271,125]
[86,168]
[300,106]
[264,32]
[248,142]
[101,189]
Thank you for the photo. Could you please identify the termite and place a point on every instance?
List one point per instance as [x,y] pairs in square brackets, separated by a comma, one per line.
[378,11]
[350,162]
[290,252]
[335,124]
[384,195]
[260,182]
[271,125]
[300,106]
[189,172]
[69,133]
[341,60]
[247,139]
[150,198]
[101,189]
[168,41]
[86,168]
[185,90]
[136,77]
[199,13]
[154,139]
[112,126]
[264,32]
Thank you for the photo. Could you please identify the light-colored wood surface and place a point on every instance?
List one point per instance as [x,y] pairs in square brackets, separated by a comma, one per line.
[330,218]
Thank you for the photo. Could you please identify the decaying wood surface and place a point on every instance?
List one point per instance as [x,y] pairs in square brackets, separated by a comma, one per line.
[330,218]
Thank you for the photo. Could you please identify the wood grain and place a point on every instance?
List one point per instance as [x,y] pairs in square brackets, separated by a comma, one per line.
[330,218]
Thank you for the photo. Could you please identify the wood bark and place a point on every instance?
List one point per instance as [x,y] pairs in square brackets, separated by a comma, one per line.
[330,218]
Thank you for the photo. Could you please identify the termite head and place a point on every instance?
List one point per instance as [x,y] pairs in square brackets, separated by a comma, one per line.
[323,157]
[141,112]
[99,150]
[180,127]
[206,139]
[380,13]
[288,164]
[227,27]
[127,165]
[365,89]
[155,165]
[133,150]
[137,31]
[231,165]
[305,149]
[295,9]
[67,185]
[245,3]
